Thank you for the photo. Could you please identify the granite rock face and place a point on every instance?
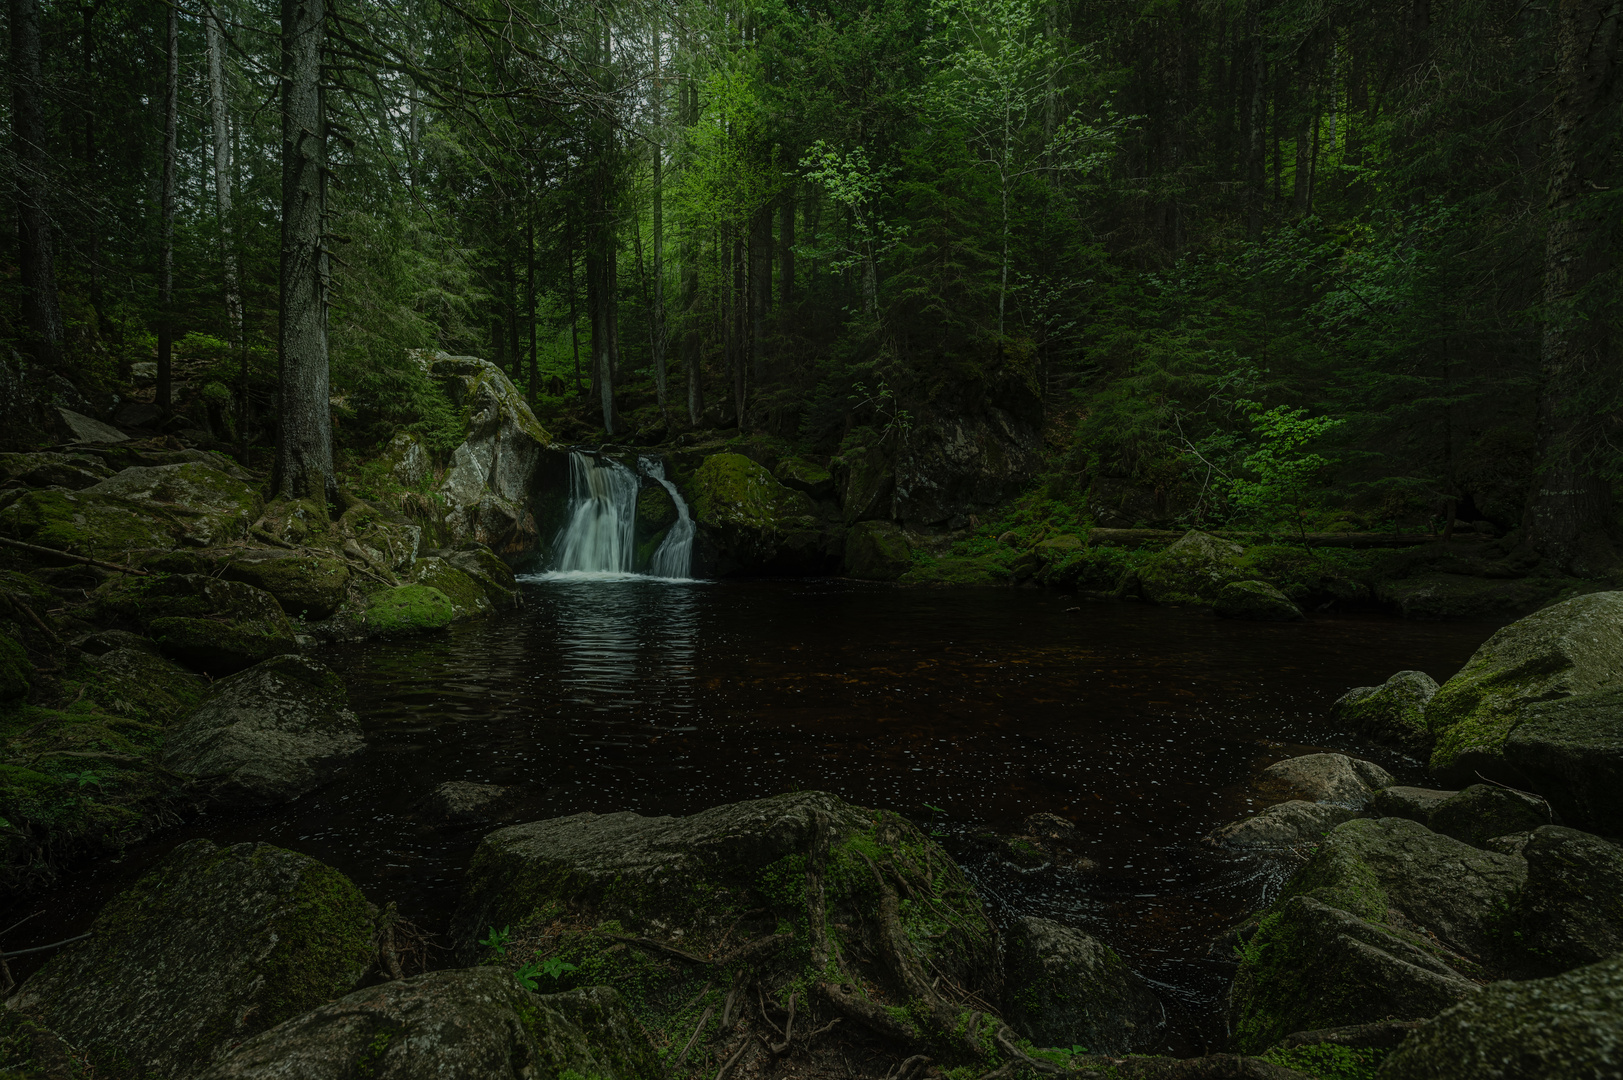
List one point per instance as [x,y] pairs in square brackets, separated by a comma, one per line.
[1335,779]
[211,947]
[1066,989]
[1571,751]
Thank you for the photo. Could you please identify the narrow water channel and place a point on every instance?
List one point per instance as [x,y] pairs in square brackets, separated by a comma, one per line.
[962,709]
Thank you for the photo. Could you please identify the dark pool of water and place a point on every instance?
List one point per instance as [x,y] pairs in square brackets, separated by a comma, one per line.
[962,709]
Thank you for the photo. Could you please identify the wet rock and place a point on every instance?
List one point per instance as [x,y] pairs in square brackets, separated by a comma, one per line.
[468,1024]
[1567,1026]
[212,624]
[212,946]
[488,572]
[458,802]
[1326,778]
[1255,600]
[1192,571]
[1572,908]
[1484,811]
[1068,989]
[76,427]
[656,513]
[308,585]
[1312,965]
[877,551]
[487,487]
[807,476]
[1052,828]
[1413,803]
[468,597]
[408,609]
[1393,713]
[1283,826]
[267,735]
[1571,751]
[866,482]
[1574,647]
[749,523]
[1466,596]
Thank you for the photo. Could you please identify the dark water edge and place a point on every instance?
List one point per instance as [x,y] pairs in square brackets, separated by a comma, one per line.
[963,709]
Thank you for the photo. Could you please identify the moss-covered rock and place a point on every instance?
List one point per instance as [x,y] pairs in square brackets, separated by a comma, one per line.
[1484,811]
[1288,826]
[807,476]
[1574,647]
[142,507]
[867,483]
[847,908]
[211,624]
[468,597]
[488,571]
[991,569]
[467,1024]
[307,584]
[1567,1026]
[1572,908]
[1192,571]
[267,735]
[1324,778]
[16,673]
[656,513]
[1393,713]
[1459,596]
[749,523]
[408,609]
[1067,989]
[31,1051]
[1255,600]
[877,551]
[1571,752]
[211,947]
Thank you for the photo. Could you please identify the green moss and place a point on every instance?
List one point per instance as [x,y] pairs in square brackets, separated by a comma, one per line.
[408,609]
[992,569]
[323,938]
[466,595]
[1330,1061]
[16,672]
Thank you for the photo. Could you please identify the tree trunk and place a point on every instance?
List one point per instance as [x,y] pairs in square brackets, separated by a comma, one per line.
[738,288]
[41,309]
[304,460]
[166,257]
[529,297]
[93,247]
[760,287]
[786,239]
[690,284]
[656,306]
[1304,128]
[222,194]
[574,315]
[1569,510]
[1256,124]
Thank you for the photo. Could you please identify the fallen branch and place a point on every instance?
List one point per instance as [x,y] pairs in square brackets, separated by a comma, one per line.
[8,542]
[788,1030]
[728,1067]
[650,945]
[760,999]
[683,1056]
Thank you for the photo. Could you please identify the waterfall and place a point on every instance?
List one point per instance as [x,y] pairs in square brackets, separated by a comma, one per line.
[600,535]
[603,511]
[674,559]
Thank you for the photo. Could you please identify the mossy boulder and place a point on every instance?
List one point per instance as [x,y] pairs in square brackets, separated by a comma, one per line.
[853,911]
[1574,647]
[993,569]
[267,735]
[1571,752]
[408,609]
[1387,919]
[807,476]
[1288,826]
[1572,908]
[877,551]
[1192,571]
[468,597]
[16,672]
[1255,600]
[209,623]
[142,507]
[867,483]
[464,1024]
[1066,988]
[1484,811]
[1335,779]
[1393,713]
[656,513]
[307,584]
[211,947]
[1570,1025]
[749,523]
[492,575]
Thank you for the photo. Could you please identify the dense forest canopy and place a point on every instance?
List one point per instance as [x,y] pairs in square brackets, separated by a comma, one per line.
[1308,259]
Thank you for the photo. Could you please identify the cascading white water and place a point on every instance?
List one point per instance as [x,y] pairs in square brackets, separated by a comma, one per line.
[603,511]
[674,559]
[600,537]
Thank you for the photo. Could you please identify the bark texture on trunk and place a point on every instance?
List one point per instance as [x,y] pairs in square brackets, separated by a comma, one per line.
[166,257]
[41,307]
[220,114]
[304,461]
[1569,509]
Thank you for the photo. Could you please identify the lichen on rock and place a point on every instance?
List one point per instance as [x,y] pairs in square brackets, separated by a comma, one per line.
[1393,713]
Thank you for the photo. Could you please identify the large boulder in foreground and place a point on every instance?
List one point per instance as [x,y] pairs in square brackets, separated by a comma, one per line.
[1572,908]
[1388,920]
[1393,713]
[748,523]
[467,1024]
[1570,1025]
[1571,751]
[267,735]
[1571,648]
[803,892]
[1066,988]
[211,947]
[1483,812]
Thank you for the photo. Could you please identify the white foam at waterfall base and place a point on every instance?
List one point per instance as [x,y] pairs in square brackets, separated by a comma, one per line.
[597,542]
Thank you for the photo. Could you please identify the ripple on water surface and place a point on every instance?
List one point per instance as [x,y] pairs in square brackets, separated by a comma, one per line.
[962,709]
